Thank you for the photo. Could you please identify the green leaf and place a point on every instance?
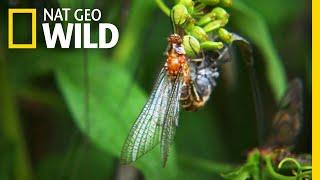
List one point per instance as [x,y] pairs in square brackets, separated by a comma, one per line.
[252,25]
[112,107]
[82,163]
[276,12]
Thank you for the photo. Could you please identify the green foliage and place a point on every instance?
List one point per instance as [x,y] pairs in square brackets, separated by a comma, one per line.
[262,166]
[82,162]
[76,3]
[273,11]
[252,25]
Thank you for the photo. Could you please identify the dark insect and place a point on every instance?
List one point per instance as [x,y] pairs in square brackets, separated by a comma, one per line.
[203,73]
[181,80]
[205,70]
[286,124]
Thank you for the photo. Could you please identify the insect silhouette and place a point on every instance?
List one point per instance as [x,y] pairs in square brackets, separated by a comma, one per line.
[181,80]
[267,162]
[286,124]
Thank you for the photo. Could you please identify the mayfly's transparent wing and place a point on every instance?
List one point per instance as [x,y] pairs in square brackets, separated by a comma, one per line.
[171,119]
[286,124]
[145,132]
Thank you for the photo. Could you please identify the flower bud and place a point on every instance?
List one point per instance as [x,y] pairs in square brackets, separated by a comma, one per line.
[214,25]
[199,33]
[189,4]
[210,2]
[224,35]
[226,3]
[220,13]
[179,14]
[191,46]
[211,45]
[206,19]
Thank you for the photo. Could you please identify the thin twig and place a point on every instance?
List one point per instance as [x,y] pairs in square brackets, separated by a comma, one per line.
[165,9]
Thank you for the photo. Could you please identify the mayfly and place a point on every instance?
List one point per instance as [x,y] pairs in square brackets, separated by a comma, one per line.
[181,80]
[156,122]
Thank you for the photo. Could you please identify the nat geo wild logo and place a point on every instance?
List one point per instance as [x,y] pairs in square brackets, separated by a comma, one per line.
[57,28]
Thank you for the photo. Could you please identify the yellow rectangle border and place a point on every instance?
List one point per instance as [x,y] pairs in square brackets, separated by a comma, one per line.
[315,89]
[33,44]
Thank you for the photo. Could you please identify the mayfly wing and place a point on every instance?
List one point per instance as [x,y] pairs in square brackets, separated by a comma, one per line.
[286,124]
[171,118]
[145,132]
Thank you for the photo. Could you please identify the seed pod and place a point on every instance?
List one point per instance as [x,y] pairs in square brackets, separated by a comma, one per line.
[224,35]
[210,2]
[191,45]
[198,33]
[179,14]
[226,3]
[211,45]
[214,25]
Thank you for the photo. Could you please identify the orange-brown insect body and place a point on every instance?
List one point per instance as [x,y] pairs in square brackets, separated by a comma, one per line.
[176,58]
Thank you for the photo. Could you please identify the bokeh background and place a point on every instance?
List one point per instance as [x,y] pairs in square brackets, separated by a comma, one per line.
[46,131]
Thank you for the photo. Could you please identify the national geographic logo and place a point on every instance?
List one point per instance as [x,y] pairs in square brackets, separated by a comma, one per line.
[33,44]
[56,20]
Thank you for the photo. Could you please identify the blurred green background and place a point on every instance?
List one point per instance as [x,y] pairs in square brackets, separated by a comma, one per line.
[44,132]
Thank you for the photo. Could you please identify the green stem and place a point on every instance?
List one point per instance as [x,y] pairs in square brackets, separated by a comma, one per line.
[165,9]
[11,128]
[273,173]
[140,14]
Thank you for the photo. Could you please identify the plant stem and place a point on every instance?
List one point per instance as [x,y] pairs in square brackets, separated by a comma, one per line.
[11,128]
[165,9]
[274,174]
[138,19]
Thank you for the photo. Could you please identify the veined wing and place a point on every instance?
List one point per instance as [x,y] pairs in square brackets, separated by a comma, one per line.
[171,119]
[147,129]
